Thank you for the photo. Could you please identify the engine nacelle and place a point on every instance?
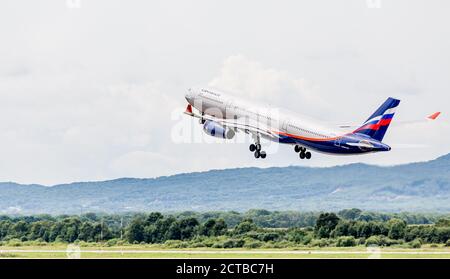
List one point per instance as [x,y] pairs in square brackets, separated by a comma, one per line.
[216,130]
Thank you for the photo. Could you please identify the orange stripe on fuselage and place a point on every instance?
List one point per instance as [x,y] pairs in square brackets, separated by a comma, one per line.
[307,138]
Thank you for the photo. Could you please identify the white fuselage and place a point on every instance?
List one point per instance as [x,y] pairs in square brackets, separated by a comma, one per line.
[218,104]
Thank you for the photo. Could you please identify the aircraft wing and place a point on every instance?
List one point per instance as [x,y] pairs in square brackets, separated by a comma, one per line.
[238,125]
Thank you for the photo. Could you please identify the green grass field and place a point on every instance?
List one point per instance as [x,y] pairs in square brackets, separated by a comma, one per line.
[148,251]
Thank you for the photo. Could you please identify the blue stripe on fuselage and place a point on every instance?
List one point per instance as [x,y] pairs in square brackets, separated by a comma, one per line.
[336,146]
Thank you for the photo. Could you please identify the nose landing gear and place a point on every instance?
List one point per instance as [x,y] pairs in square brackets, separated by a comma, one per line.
[303,154]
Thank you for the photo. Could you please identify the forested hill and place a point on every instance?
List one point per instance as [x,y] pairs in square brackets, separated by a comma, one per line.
[421,186]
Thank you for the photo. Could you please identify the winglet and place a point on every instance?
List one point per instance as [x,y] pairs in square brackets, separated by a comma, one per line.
[434,115]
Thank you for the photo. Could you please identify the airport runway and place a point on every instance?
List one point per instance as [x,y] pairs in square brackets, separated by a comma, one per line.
[228,252]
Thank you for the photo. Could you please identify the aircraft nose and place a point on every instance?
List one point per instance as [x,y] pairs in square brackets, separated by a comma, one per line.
[188,98]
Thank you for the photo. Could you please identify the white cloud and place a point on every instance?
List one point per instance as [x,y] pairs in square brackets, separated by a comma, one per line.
[71,130]
[262,84]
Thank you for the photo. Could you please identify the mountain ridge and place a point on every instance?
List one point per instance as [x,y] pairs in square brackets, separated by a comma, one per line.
[419,186]
[443,157]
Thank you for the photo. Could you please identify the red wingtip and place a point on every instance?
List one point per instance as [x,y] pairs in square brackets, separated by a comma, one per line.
[434,115]
[189,109]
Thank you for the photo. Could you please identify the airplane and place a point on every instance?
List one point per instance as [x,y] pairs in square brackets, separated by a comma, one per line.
[223,115]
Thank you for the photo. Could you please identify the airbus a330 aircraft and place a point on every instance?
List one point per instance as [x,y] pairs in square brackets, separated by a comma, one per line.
[223,115]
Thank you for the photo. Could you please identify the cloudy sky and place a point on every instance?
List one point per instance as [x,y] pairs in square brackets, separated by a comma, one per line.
[94,90]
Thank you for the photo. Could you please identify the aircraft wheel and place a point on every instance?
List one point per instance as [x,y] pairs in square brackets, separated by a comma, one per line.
[252,147]
[263,154]
[257,154]
[297,148]
[258,147]
[302,155]
[308,155]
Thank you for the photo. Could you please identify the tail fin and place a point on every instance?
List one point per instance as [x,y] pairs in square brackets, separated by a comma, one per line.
[378,123]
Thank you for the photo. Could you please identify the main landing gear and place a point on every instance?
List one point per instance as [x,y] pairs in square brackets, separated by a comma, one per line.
[256,148]
[303,153]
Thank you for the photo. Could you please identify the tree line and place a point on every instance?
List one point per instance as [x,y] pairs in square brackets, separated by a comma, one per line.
[345,228]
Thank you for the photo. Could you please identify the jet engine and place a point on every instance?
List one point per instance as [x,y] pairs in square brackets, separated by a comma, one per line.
[216,130]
